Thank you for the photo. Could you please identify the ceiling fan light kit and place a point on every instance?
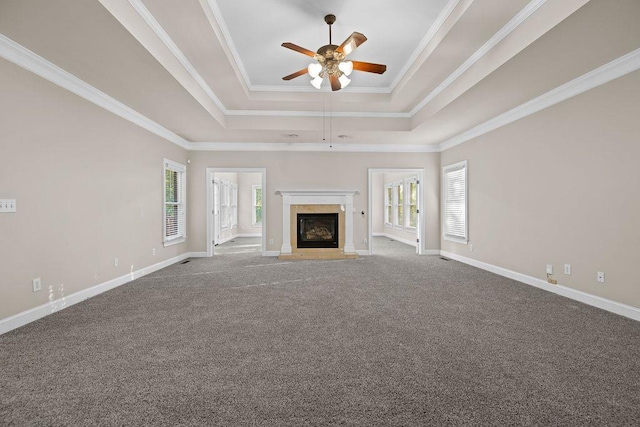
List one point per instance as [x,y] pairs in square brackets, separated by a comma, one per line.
[331,61]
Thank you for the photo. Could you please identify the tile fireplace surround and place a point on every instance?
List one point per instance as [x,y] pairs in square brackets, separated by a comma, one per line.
[317,201]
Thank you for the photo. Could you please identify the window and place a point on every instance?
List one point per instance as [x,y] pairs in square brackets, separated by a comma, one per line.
[388,204]
[256,197]
[454,195]
[398,204]
[234,205]
[224,204]
[411,202]
[174,202]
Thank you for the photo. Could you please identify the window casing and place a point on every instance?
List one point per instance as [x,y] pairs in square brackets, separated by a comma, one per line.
[455,203]
[174,212]
[256,202]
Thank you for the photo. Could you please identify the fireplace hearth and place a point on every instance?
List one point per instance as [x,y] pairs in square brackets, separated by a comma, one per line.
[317,230]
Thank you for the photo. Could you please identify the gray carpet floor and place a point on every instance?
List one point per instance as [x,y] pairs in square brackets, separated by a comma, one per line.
[247,340]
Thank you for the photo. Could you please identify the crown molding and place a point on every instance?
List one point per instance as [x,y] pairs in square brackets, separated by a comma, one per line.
[350,114]
[311,89]
[601,75]
[36,64]
[175,51]
[509,27]
[213,11]
[433,30]
[301,146]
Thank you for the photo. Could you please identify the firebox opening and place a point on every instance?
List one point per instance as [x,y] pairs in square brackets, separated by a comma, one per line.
[317,230]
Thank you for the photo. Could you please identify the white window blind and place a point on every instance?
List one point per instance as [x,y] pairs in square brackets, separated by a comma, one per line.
[175,218]
[455,202]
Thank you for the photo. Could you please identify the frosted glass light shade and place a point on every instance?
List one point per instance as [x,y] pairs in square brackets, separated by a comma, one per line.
[346,67]
[314,69]
[317,82]
[344,81]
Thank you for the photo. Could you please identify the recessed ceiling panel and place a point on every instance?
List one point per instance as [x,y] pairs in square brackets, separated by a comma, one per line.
[257,29]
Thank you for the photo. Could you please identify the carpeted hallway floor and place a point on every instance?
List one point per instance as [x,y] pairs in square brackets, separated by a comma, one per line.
[247,340]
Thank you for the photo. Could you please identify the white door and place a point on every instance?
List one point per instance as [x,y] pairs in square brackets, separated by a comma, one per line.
[216,212]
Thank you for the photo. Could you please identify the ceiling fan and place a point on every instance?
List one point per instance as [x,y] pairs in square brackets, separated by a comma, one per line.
[331,61]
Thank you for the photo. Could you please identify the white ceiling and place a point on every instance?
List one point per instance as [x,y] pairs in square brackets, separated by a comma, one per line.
[256,29]
[209,72]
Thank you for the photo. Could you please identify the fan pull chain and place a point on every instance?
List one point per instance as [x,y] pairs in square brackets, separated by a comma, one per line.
[323,118]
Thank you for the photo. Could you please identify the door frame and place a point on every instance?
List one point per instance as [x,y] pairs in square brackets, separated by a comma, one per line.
[420,233]
[210,172]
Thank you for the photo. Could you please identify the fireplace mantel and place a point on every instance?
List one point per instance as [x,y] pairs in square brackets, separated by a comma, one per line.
[343,198]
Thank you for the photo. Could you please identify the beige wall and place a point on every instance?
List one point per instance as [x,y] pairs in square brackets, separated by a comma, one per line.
[88,186]
[559,187]
[310,170]
[377,203]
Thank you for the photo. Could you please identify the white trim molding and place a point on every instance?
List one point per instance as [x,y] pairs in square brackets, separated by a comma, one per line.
[313,147]
[509,27]
[30,61]
[617,68]
[317,197]
[574,294]
[33,314]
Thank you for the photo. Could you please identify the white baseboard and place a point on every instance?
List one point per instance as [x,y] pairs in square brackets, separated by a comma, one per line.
[399,239]
[431,252]
[362,252]
[271,253]
[197,255]
[249,235]
[33,314]
[574,294]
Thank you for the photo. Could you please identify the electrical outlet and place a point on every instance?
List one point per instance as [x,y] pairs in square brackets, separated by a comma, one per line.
[549,269]
[271,241]
[365,240]
[36,284]
[470,247]
[116,262]
[600,276]
[153,251]
[567,269]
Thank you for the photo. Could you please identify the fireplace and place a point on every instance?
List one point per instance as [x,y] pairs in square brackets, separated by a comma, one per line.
[338,203]
[317,230]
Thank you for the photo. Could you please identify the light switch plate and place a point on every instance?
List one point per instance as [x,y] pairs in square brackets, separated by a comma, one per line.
[7,205]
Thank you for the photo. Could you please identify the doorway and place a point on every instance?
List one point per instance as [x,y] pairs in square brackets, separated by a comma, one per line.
[396,213]
[236,220]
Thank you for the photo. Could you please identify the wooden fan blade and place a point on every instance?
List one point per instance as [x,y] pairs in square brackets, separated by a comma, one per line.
[296,74]
[351,43]
[335,83]
[299,49]
[369,67]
